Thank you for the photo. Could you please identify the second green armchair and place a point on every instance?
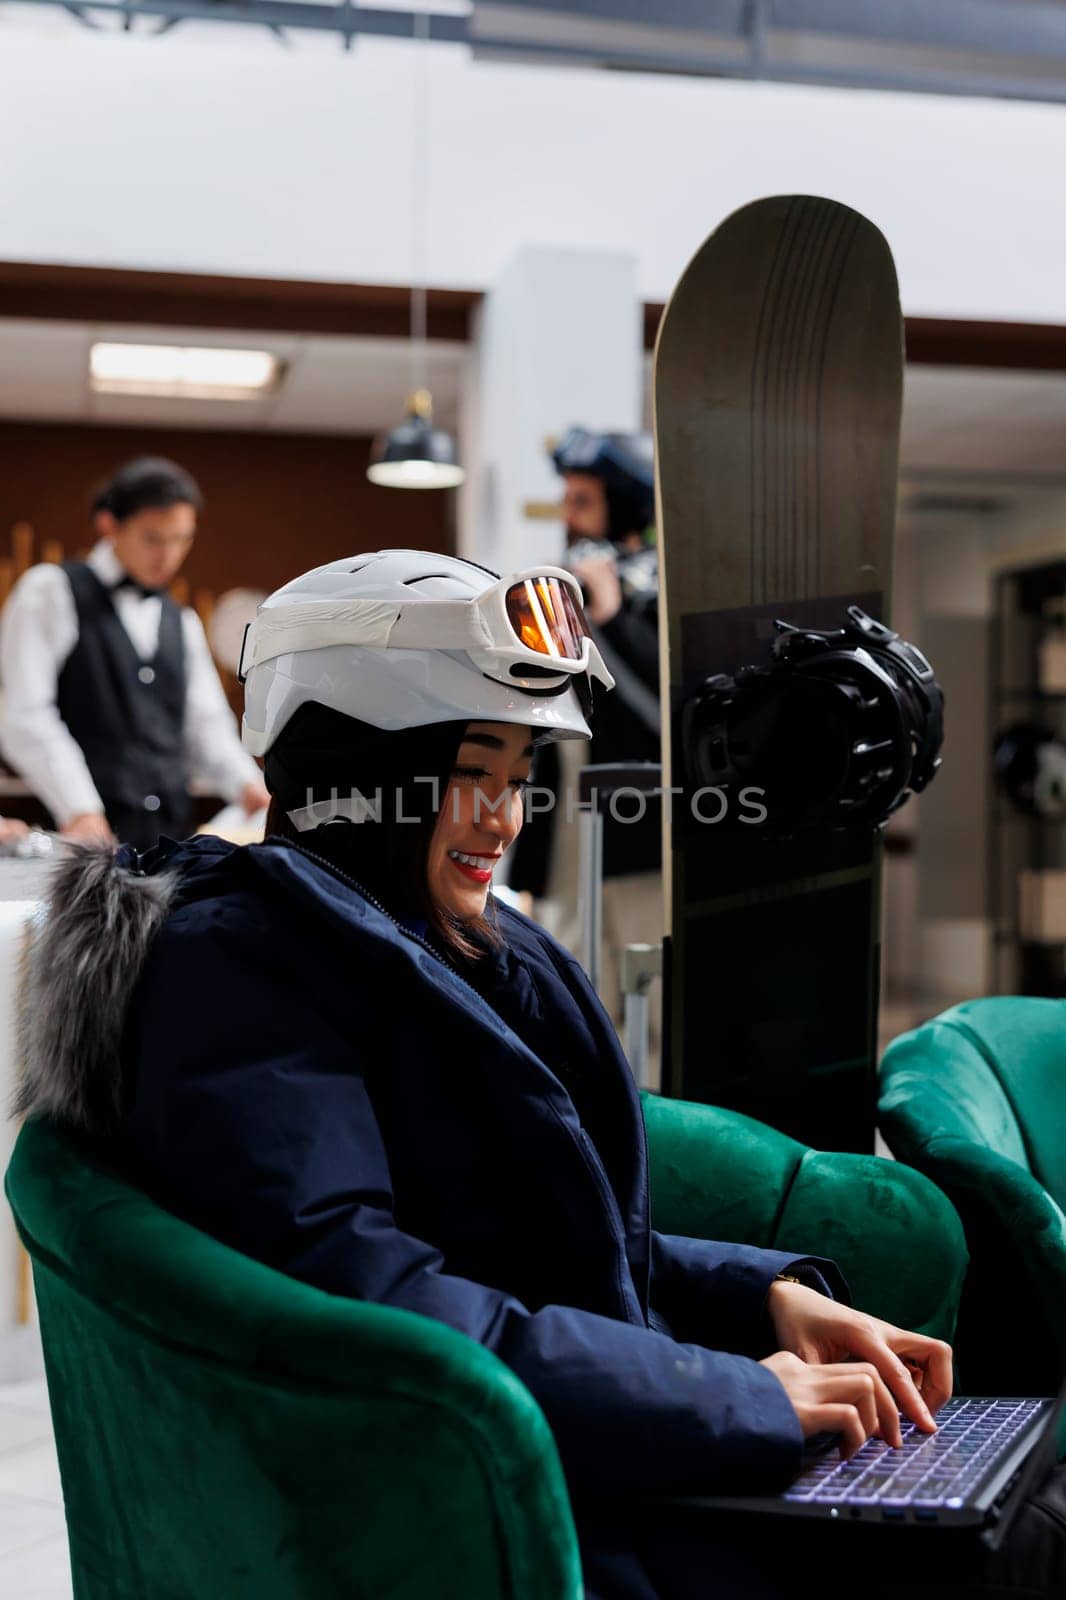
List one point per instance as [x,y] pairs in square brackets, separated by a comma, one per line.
[976,1100]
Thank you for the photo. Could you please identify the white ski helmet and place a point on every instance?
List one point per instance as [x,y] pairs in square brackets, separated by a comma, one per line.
[405,638]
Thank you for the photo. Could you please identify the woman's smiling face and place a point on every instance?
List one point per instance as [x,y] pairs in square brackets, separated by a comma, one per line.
[480,816]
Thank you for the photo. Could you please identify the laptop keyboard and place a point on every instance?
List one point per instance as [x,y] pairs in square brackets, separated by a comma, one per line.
[930,1471]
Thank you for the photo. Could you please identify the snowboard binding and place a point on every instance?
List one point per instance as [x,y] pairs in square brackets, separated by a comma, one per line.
[835,731]
[1030,767]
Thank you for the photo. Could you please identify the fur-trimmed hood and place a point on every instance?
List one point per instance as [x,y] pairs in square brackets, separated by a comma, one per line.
[85,953]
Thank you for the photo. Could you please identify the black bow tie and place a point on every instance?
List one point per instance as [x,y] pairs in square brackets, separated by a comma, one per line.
[126,582]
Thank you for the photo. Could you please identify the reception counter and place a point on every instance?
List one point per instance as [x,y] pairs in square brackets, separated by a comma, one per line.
[22,884]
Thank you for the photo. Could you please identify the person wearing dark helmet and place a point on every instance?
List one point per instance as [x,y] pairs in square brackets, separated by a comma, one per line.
[609,511]
[336,1052]
[111,698]
[608,507]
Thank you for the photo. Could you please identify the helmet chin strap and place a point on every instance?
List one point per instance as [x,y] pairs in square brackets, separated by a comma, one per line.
[338,808]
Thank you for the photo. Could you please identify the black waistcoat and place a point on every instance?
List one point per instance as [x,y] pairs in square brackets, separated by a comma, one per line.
[126,714]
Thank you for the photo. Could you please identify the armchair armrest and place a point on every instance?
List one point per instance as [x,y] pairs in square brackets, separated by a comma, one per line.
[717,1174]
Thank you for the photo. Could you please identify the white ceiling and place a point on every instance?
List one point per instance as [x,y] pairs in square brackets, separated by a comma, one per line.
[331,384]
[957,421]
[970,419]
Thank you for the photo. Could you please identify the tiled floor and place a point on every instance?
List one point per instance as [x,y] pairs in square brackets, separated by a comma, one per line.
[33,1541]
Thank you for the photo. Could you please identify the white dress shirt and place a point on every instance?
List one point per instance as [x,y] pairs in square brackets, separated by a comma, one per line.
[38,631]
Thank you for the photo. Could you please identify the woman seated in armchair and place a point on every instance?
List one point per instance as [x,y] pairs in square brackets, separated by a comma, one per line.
[337,1053]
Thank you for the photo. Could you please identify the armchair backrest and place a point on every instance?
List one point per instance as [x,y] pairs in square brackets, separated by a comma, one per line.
[991,1071]
[224,1429]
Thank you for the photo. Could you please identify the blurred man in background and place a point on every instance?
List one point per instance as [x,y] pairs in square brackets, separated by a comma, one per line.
[609,508]
[110,697]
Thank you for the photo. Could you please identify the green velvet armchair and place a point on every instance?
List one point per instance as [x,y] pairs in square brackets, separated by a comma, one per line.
[226,1433]
[976,1100]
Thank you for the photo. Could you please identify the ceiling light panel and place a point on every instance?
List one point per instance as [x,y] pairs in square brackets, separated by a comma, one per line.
[182,372]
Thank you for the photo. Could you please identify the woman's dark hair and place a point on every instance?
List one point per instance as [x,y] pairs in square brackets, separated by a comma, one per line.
[321,752]
[148,482]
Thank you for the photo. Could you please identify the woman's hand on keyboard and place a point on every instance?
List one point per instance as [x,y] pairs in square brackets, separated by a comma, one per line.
[820,1331]
[848,1398]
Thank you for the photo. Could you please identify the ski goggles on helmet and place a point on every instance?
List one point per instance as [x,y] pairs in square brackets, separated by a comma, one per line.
[527,630]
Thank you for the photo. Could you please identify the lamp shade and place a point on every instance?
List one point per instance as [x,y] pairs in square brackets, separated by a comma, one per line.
[415,455]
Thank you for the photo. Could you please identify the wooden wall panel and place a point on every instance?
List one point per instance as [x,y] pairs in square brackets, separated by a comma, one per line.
[277,504]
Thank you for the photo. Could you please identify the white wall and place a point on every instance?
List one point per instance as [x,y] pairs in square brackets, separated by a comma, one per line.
[557,339]
[219,150]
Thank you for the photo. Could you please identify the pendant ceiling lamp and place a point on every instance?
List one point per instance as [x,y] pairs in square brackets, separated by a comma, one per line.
[416,455]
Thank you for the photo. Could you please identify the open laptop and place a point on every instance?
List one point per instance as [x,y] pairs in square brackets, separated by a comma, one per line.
[985,1458]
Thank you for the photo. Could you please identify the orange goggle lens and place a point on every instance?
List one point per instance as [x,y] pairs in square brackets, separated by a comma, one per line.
[547,617]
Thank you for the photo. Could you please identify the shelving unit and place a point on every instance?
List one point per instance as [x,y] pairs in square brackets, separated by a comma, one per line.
[1030,608]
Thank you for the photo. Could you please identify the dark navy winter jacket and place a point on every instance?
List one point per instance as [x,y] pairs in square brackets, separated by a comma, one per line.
[316,1087]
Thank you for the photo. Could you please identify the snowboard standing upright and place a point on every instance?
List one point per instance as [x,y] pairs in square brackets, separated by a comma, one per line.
[778,381]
